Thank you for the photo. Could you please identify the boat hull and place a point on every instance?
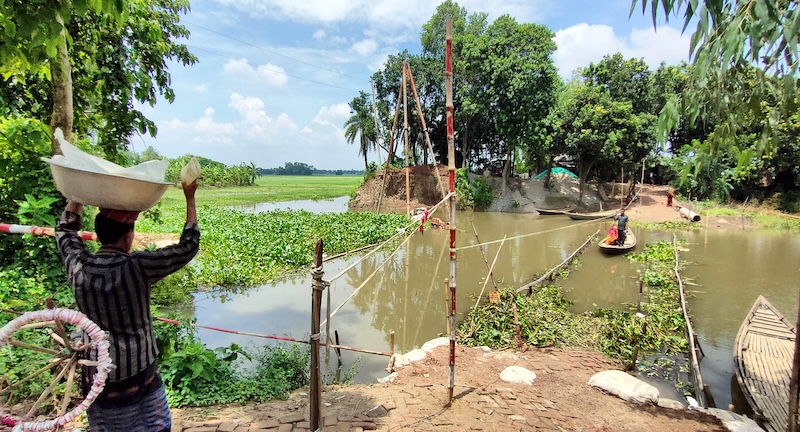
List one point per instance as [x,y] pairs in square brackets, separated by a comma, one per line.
[612,249]
[763,355]
[592,216]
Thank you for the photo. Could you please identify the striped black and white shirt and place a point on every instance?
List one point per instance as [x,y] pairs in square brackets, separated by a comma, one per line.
[113,288]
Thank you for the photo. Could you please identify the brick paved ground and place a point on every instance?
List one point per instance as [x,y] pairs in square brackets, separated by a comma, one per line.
[559,399]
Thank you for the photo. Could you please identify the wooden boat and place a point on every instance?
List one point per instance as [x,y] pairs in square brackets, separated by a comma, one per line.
[762,356]
[593,215]
[552,212]
[612,249]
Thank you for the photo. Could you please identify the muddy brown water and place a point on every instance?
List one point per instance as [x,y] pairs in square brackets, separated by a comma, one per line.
[405,292]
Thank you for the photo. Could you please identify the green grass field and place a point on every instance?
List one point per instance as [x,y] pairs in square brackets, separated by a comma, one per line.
[270,188]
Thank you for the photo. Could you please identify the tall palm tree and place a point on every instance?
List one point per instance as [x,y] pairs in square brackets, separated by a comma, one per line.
[361,126]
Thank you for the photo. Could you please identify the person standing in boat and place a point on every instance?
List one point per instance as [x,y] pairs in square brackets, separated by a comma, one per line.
[622,226]
[112,287]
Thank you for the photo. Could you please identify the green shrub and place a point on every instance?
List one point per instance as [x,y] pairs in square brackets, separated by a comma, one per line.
[475,194]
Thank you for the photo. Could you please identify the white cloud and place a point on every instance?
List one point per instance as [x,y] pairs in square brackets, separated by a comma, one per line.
[382,18]
[200,88]
[319,34]
[334,115]
[252,134]
[365,47]
[266,74]
[583,43]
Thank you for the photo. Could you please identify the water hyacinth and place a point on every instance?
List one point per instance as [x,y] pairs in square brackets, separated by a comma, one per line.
[243,249]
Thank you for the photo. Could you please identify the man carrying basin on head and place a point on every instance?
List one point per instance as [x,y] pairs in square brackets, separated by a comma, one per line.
[622,226]
[112,287]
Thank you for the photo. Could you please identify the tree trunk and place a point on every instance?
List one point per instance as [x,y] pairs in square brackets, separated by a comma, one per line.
[366,164]
[61,72]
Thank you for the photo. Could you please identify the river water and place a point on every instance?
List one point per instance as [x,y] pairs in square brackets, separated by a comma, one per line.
[405,291]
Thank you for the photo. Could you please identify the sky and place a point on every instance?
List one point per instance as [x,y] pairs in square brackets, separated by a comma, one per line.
[274,77]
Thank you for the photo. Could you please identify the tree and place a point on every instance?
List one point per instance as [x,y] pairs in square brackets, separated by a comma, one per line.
[513,80]
[730,38]
[106,54]
[361,126]
[595,129]
[629,80]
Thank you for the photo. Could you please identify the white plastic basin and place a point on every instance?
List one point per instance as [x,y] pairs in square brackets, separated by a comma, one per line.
[106,190]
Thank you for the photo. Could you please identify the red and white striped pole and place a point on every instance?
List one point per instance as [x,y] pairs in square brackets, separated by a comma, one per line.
[40,231]
[451,163]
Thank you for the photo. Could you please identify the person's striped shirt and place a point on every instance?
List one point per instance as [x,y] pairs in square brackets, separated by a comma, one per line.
[113,289]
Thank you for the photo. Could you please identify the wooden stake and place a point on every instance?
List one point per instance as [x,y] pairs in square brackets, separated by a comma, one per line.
[516,324]
[317,286]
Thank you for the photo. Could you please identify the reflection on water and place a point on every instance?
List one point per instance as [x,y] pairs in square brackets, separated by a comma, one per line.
[405,292]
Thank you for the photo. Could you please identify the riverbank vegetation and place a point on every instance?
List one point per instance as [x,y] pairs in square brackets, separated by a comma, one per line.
[546,318]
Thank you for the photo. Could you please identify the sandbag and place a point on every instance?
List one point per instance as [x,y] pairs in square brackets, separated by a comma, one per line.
[625,386]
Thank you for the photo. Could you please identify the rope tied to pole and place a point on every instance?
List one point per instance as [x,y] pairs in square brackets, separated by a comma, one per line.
[316,279]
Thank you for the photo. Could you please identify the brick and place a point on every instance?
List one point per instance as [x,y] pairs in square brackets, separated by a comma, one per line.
[201,429]
[365,425]
[292,418]
[302,425]
[518,418]
[227,427]
[286,427]
[266,424]
[330,420]
[390,406]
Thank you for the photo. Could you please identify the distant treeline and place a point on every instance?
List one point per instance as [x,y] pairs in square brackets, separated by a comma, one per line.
[299,168]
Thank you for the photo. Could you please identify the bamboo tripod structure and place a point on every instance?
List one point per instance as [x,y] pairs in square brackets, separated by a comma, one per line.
[408,80]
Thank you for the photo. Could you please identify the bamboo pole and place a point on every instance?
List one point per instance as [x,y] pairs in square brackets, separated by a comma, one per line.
[516,324]
[448,67]
[317,285]
[480,296]
[391,151]
[38,231]
[425,129]
[405,142]
[328,330]
[483,254]
[569,259]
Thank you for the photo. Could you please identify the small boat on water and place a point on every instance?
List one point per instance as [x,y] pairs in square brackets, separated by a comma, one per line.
[593,215]
[614,249]
[552,212]
[762,357]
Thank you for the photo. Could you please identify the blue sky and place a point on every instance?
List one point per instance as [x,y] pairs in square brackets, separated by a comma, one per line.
[274,76]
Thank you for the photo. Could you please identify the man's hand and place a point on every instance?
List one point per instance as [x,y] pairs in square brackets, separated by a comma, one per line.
[74,207]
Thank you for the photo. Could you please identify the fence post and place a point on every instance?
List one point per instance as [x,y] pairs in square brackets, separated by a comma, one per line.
[317,286]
